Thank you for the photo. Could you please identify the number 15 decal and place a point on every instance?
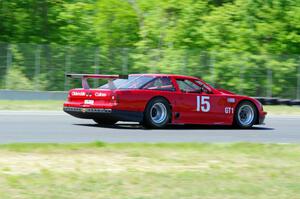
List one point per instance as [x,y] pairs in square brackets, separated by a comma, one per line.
[203,103]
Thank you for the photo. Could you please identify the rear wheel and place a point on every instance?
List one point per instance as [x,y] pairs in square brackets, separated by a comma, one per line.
[105,122]
[245,115]
[157,113]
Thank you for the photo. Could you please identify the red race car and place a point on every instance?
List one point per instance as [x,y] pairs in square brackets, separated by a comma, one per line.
[156,100]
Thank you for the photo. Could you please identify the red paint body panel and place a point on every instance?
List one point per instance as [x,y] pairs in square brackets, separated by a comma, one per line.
[184,106]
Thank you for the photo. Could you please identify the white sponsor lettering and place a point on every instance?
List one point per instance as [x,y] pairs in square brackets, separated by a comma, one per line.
[97,94]
[77,93]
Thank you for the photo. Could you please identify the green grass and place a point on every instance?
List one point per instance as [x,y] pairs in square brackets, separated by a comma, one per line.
[54,105]
[144,171]
[282,110]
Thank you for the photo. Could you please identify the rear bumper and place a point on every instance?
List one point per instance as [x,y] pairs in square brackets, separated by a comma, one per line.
[104,113]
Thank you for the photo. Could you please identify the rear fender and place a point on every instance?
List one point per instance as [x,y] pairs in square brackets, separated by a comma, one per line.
[158,97]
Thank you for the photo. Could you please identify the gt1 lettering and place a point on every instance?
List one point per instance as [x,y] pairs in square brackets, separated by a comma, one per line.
[203,103]
[228,110]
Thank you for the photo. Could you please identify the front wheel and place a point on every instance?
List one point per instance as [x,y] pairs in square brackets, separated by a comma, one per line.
[245,115]
[157,113]
[105,122]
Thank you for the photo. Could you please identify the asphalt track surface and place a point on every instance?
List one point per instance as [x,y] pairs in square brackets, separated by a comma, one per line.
[49,126]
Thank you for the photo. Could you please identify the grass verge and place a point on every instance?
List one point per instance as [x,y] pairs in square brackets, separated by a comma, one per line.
[282,110]
[144,171]
[47,105]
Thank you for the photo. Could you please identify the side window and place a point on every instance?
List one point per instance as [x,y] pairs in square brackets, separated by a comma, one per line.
[161,83]
[188,86]
[204,88]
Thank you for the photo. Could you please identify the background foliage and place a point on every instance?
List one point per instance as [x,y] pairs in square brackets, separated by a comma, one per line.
[248,46]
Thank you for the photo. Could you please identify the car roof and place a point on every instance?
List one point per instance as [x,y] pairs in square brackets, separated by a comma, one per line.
[168,75]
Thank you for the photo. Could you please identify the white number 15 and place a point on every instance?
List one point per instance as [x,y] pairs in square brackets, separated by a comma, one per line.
[203,103]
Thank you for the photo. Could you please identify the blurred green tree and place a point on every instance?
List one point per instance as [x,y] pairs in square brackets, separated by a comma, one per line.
[234,44]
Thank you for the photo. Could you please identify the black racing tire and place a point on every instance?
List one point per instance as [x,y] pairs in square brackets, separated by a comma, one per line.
[245,115]
[157,113]
[105,122]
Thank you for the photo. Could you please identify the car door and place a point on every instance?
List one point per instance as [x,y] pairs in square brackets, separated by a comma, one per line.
[198,107]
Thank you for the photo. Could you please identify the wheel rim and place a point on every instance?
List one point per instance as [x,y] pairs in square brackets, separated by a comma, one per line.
[158,113]
[246,115]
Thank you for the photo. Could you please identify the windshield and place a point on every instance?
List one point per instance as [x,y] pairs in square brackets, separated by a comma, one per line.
[133,82]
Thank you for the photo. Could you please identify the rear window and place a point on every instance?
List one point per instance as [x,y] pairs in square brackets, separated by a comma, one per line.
[133,82]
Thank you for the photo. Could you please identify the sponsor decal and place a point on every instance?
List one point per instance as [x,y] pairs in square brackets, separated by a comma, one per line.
[99,94]
[78,93]
[231,100]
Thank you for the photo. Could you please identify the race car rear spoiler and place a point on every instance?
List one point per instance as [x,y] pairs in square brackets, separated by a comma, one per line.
[84,78]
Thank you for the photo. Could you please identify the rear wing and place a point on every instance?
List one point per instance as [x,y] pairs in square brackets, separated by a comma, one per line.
[84,78]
